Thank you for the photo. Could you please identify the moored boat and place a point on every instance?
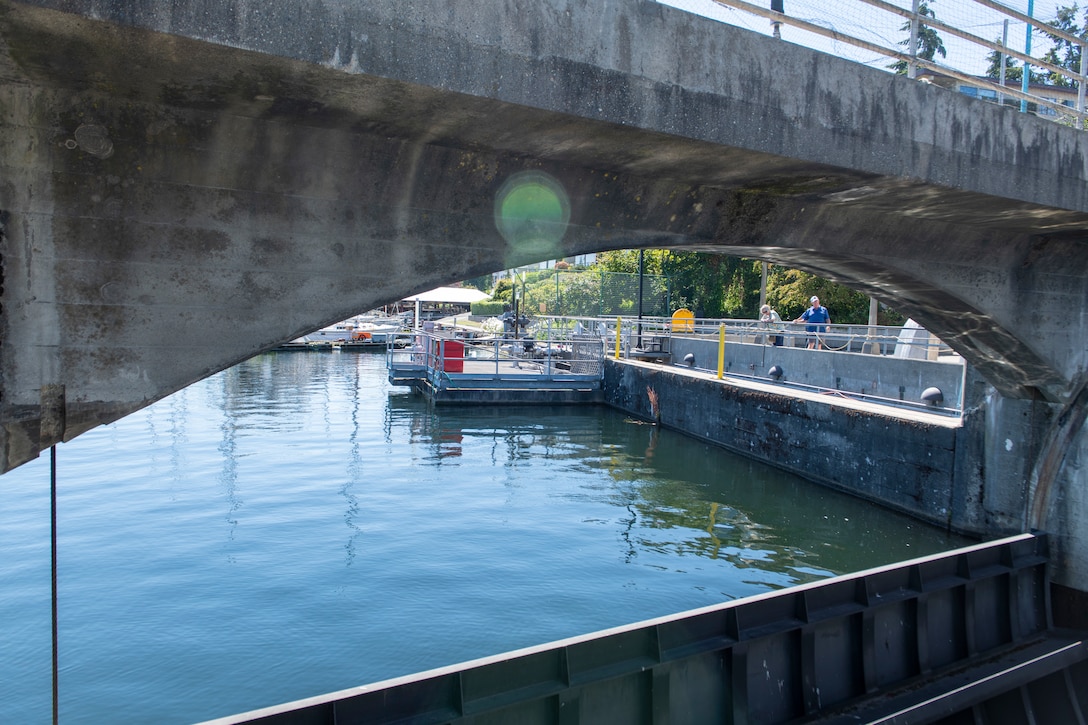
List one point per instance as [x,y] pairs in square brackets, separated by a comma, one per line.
[359,330]
[354,330]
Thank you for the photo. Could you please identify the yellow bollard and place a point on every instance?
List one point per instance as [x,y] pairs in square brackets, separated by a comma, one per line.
[619,324]
[721,351]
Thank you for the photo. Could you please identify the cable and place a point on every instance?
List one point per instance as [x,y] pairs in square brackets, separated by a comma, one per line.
[53,537]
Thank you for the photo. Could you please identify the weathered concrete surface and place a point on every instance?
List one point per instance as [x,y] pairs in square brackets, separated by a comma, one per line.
[174,203]
[867,450]
[184,184]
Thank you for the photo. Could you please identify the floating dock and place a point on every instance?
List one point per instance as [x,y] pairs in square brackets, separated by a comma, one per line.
[505,370]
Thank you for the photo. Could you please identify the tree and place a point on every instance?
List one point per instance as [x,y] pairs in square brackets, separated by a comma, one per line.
[1062,52]
[718,286]
[503,291]
[789,290]
[620,284]
[1013,73]
[929,43]
[482,283]
[712,285]
[580,294]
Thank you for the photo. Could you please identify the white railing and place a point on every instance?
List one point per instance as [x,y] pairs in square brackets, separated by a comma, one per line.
[651,334]
[567,352]
[874,27]
[659,339]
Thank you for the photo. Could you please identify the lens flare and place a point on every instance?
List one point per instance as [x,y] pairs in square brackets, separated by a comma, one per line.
[532,211]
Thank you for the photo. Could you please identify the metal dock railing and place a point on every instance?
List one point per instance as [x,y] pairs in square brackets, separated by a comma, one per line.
[506,369]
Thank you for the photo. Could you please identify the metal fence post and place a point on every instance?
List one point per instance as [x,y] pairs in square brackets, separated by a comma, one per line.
[721,350]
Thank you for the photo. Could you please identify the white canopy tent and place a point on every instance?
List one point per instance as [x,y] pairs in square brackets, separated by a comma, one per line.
[453,295]
[446,295]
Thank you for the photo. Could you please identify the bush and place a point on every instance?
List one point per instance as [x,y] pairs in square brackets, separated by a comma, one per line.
[488,308]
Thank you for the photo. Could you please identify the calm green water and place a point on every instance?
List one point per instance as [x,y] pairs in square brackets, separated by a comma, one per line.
[295,526]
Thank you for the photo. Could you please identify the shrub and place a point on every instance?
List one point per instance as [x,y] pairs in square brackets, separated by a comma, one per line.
[488,308]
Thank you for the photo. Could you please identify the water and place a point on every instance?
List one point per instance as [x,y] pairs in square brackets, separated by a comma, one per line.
[294,526]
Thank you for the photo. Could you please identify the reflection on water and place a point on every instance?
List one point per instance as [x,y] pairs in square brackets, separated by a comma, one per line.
[679,497]
[294,526]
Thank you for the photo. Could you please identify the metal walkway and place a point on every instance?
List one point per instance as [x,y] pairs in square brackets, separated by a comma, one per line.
[960,637]
[503,370]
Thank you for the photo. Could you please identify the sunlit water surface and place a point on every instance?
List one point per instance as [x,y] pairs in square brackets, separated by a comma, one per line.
[295,525]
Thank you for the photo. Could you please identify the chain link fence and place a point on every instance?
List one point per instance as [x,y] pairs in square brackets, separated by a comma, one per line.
[593,293]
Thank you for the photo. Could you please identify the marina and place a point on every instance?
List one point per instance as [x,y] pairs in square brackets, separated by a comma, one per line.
[374,343]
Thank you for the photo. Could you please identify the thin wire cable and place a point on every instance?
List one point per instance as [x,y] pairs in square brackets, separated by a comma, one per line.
[53,537]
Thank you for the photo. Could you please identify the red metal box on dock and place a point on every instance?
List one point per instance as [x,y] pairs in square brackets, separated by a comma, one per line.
[452,354]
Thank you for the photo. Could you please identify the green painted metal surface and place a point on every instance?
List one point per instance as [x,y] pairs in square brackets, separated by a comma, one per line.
[936,639]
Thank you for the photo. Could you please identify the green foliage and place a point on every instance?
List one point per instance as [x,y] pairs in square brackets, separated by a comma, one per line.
[538,293]
[711,285]
[717,286]
[1013,72]
[1063,53]
[580,293]
[929,43]
[503,291]
[626,261]
[488,308]
[789,290]
[535,276]
[589,293]
[482,283]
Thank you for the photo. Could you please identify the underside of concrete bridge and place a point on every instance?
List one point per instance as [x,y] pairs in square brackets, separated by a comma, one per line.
[185,184]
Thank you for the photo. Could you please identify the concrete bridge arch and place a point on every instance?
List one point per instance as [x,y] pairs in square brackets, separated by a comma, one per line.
[183,186]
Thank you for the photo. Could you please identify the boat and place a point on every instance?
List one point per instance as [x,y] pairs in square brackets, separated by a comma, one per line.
[372,329]
[358,329]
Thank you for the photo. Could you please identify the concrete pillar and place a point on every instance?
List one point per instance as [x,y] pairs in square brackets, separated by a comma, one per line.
[1020,466]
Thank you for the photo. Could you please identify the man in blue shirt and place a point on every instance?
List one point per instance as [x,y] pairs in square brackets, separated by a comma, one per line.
[818,318]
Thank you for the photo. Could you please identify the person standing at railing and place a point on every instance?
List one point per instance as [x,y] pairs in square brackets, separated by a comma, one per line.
[817,318]
[771,321]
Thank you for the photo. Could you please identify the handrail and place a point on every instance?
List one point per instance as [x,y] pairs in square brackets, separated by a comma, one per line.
[439,355]
[569,350]
[1079,113]
[838,337]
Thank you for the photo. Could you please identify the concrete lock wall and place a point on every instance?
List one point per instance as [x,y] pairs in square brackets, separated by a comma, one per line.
[905,465]
[911,465]
[973,475]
